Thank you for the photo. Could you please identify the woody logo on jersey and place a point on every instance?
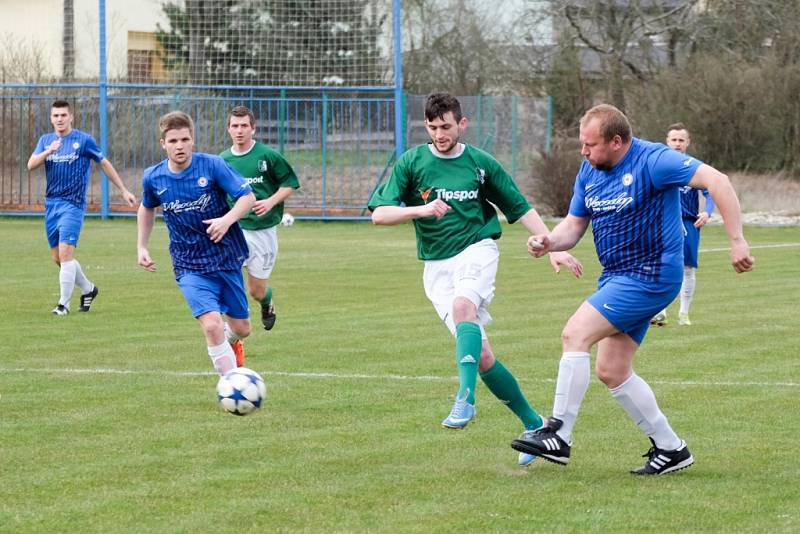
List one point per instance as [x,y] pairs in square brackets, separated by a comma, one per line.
[615,200]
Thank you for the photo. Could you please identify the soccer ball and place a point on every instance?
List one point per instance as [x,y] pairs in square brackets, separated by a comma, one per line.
[288,219]
[241,391]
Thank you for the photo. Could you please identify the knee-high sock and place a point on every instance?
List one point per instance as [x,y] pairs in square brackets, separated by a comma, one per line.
[639,401]
[571,386]
[687,289]
[265,302]
[505,387]
[66,279]
[84,283]
[468,352]
[230,335]
[222,357]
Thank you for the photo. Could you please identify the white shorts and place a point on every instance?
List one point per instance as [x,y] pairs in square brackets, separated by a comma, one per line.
[469,274]
[263,245]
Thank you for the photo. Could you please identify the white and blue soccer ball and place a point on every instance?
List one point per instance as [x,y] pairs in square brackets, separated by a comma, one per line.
[241,391]
[287,220]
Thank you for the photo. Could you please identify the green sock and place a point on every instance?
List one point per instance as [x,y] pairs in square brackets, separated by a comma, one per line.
[502,383]
[468,352]
[267,299]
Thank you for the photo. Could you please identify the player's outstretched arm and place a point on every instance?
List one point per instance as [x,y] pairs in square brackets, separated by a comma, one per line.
[145,219]
[536,226]
[725,199]
[389,215]
[262,207]
[564,236]
[115,178]
[217,228]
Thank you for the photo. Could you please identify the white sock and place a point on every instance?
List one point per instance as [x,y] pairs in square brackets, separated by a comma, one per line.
[66,278]
[571,386]
[687,289]
[80,279]
[222,357]
[230,335]
[639,401]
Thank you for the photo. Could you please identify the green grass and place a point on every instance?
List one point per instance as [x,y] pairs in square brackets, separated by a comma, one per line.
[108,420]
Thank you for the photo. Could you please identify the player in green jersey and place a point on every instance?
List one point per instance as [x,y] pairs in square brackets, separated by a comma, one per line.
[273,181]
[445,188]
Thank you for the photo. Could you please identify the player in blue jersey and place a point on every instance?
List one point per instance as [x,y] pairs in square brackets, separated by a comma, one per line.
[628,189]
[693,220]
[205,242]
[67,155]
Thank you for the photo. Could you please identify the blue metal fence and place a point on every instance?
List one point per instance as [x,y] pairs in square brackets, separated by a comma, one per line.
[342,145]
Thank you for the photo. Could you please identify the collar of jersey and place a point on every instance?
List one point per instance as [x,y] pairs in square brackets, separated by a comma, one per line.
[461,148]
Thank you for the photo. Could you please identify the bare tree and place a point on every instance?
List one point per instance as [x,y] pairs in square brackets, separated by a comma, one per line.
[624,36]
[455,45]
[21,61]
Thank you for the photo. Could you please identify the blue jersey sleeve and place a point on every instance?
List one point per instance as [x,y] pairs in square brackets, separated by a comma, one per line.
[229,180]
[670,168]
[91,150]
[709,202]
[41,145]
[149,198]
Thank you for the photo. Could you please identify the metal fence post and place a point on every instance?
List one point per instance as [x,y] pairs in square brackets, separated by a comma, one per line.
[103,105]
[324,142]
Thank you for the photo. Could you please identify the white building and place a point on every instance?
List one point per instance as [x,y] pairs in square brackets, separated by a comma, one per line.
[34,28]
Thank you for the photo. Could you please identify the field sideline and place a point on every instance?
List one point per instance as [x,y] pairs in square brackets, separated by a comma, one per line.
[108,420]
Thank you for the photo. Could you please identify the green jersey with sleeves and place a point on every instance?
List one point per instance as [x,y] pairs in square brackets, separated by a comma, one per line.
[467,182]
[266,170]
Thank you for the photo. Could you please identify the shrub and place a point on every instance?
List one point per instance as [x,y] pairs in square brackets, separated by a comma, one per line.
[553,176]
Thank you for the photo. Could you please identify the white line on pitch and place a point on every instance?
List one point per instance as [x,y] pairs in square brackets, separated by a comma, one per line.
[348,376]
[704,250]
[778,245]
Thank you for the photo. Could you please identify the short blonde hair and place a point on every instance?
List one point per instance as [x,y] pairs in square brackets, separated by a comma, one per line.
[175,120]
[613,122]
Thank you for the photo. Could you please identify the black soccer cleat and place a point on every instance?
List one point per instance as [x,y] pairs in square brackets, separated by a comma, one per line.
[87,299]
[544,442]
[268,316]
[661,462]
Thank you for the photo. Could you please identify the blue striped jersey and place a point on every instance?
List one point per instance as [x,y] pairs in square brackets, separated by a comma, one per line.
[188,198]
[690,202]
[68,168]
[635,211]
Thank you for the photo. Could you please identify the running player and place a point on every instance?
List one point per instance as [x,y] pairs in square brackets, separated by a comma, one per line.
[206,244]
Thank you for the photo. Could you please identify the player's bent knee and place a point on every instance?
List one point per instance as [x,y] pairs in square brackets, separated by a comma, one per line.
[487,360]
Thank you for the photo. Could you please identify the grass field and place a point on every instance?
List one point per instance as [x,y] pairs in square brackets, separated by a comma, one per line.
[109,423]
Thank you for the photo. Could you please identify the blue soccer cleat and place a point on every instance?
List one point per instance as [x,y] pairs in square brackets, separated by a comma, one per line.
[460,416]
[525,459]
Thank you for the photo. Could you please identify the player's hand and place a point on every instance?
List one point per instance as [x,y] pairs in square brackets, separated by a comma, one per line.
[55,145]
[538,245]
[437,209]
[740,256]
[557,259]
[262,207]
[702,219]
[129,198]
[146,261]
[217,228]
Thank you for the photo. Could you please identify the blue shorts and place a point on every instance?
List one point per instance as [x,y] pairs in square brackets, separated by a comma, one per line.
[629,304]
[62,222]
[221,291]
[691,243]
